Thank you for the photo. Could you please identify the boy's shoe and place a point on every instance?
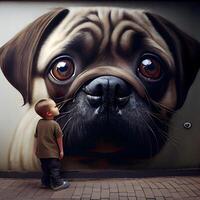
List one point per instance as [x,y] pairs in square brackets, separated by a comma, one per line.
[65,185]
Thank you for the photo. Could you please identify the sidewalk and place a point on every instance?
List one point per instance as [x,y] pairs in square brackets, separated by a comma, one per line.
[122,189]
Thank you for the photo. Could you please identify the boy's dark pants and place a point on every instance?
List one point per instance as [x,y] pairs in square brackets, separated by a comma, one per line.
[51,172]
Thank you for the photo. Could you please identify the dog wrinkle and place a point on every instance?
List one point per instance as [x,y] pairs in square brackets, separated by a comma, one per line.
[93,16]
[98,24]
[63,36]
[88,33]
[119,36]
[104,16]
[129,41]
[128,27]
[170,99]
[155,47]
[140,18]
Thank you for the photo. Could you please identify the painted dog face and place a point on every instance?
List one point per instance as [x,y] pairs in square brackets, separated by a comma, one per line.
[117,75]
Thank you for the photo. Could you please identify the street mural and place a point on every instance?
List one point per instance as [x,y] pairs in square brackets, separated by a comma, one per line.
[117,75]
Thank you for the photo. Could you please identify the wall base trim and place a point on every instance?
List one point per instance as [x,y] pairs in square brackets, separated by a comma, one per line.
[93,174]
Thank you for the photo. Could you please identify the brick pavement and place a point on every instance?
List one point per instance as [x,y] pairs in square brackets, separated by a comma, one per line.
[159,188]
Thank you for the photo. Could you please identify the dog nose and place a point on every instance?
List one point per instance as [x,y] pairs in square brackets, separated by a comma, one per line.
[108,91]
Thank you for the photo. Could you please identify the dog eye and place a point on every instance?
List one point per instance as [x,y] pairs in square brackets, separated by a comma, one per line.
[62,68]
[150,68]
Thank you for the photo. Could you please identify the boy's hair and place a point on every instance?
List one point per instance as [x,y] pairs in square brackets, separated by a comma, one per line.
[42,107]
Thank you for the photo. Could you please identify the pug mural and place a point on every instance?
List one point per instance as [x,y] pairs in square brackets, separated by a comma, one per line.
[117,75]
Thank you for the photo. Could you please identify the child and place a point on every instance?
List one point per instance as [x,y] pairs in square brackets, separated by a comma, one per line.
[49,144]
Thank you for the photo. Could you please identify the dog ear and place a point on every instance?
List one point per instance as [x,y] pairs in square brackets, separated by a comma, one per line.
[185,51]
[19,55]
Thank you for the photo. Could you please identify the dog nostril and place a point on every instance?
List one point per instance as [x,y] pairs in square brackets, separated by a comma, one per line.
[94,101]
[94,91]
[121,90]
[122,101]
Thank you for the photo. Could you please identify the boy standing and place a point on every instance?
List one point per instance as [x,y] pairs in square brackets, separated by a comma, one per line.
[49,144]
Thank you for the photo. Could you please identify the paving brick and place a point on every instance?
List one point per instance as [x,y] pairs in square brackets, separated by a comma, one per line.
[5,183]
[122,198]
[131,194]
[89,184]
[16,189]
[176,195]
[139,193]
[28,191]
[129,188]
[114,198]
[160,198]
[159,185]
[105,185]
[78,192]
[137,187]
[157,193]
[63,194]
[181,181]
[95,196]
[152,185]
[148,193]
[80,185]
[188,191]
[134,182]
[150,198]
[87,190]
[183,194]
[192,194]
[165,193]
[75,197]
[112,184]
[121,187]
[105,193]
[172,189]
[144,185]
[97,185]
[96,189]
[123,194]
[193,187]
[179,189]
[113,195]
[190,181]
[197,185]
[114,189]
[141,198]
[174,184]
[86,196]
[132,198]
[128,183]
[43,193]
[167,185]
